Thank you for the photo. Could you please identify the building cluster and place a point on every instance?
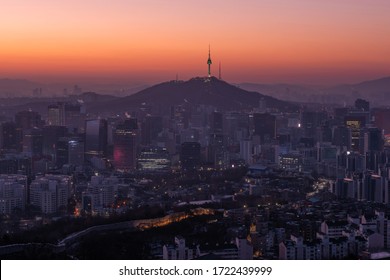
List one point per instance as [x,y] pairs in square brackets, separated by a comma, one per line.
[337,143]
[241,249]
[356,236]
[67,160]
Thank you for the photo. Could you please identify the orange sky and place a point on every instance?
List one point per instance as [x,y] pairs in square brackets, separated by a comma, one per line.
[302,41]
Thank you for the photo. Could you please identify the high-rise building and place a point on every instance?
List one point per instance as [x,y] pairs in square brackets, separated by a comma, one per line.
[28,120]
[13,193]
[33,142]
[216,122]
[151,127]
[56,114]
[264,126]
[51,135]
[190,155]
[96,138]
[10,136]
[125,140]
[246,152]
[346,188]
[381,118]
[355,122]
[16,164]
[216,151]
[372,188]
[74,117]
[76,151]
[236,127]
[342,137]
[180,117]
[62,151]
[153,159]
[373,139]
[70,150]
[51,193]
[101,193]
[310,121]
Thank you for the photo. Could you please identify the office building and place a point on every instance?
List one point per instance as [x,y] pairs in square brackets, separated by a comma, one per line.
[56,114]
[33,142]
[10,136]
[28,120]
[190,155]
[96,138]
[125,141]
[154,159]
[151,127]
[51,135]
[264,126]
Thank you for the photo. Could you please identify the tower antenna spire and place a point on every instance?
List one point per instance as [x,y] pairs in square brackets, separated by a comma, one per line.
[209,62]
[219,74]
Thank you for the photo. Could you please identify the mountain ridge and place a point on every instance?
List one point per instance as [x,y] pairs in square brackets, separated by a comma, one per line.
[199,90]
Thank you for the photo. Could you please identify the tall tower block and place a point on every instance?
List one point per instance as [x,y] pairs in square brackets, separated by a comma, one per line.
[209,62]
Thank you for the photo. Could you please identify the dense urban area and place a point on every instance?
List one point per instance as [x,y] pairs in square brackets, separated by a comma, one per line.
[83,177]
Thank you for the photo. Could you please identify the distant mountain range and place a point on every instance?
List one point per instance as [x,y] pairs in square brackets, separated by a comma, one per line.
[159,98]
[17,95]
[376,91]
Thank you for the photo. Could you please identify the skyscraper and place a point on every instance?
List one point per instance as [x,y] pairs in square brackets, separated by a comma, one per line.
[125,144]
[373,139]
[96,137]
[10,136]
[190,155]
[28,119]
[265,126]
[74,117]
[76,151]
[216,122]
[56,114]
[151,127]
[51,134]
[355,123]
[70,150]
[33,142]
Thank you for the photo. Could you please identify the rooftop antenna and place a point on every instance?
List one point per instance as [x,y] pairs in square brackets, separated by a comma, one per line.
[219,74]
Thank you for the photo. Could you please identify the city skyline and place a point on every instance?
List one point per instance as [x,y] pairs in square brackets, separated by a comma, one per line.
[152,41]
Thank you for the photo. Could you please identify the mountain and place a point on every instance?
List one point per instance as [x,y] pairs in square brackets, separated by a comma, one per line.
[288,92]
[207,91]
[376,91]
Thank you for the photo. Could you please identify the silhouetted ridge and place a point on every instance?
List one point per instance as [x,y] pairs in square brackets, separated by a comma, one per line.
[207,91]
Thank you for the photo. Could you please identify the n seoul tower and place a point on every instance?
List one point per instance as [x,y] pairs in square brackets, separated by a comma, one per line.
[209,62]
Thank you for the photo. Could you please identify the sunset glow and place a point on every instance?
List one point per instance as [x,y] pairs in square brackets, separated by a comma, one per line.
[153,40]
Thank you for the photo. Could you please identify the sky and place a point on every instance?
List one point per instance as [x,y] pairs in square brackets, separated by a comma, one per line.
[261,41]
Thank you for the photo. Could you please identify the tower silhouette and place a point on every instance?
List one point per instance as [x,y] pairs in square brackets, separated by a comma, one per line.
[209,62]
